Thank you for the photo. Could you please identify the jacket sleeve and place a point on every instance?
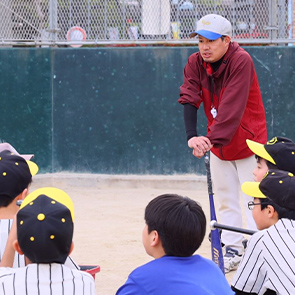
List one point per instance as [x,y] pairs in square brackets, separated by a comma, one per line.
[233,100]
[190,90]
[190,120]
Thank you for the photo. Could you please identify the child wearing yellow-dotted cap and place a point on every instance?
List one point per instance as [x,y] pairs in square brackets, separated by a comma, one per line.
[15,178]
[277,153]
[45,224]
[268,264]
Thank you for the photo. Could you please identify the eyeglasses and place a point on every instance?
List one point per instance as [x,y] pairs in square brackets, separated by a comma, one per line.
[252,204]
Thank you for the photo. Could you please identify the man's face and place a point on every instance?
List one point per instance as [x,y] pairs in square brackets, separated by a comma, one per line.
[213,50]
[260,170]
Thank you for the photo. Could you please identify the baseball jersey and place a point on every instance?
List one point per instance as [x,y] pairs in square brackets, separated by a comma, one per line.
[171,275]
[41,279]
[19,260]
[269,261]
[5,226]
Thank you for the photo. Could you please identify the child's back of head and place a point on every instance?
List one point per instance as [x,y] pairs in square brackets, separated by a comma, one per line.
[179,221]
[45,226]
[15,176]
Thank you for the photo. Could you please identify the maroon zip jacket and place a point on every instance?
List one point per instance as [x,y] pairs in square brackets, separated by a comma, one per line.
[233,90]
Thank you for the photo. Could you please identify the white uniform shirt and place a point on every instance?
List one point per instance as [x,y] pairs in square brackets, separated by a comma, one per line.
[269,261]
[5,226]
[41,279]
[19,260]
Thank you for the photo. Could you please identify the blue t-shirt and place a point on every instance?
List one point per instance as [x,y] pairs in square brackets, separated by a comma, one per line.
[171,275]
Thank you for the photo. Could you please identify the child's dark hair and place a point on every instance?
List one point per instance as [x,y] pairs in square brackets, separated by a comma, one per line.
[5,201]
[269,164]
[282,212]
[179,221]
[16,175]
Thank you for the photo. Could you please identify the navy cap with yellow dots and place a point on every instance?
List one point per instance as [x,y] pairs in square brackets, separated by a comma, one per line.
[45,224]
[280,151]
[15,174]
[277,185]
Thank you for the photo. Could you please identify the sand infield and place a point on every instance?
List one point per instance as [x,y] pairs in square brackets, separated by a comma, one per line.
[109,218]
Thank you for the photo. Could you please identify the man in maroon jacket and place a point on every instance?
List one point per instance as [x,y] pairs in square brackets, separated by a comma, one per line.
[222,77]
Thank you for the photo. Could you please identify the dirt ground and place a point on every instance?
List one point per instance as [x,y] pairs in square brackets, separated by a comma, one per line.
[109,218]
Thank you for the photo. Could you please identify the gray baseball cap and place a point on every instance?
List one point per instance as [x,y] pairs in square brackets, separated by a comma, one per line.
[212,27]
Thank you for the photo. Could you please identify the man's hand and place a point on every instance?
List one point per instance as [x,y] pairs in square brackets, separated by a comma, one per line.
[200,145]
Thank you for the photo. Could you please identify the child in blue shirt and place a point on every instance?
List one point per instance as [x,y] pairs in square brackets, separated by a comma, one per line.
[175,228]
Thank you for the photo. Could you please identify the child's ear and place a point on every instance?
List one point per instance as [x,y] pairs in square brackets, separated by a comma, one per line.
[155,238]
[24,193]
[156,248]
[17,247]
[271,212]
[72,248]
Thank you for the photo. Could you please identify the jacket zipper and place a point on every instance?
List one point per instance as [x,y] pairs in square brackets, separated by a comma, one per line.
[212,91]
[212,105]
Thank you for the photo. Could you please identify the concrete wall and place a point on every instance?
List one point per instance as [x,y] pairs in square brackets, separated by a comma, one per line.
[115,110]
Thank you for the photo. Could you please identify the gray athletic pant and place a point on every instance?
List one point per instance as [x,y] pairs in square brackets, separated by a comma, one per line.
[227,178]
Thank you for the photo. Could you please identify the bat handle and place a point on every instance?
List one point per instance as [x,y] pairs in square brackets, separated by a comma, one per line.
[214,225]
[208,173]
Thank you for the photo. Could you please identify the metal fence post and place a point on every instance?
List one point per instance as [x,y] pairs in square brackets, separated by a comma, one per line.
[53,20]
[273,20]
[123,19]
[251,17]
[5,19]
[281,19]
[290,20]
[88,17]
[105,20]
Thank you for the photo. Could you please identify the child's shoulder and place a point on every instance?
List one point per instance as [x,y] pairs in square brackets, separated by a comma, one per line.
[271,234]
[256,240]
